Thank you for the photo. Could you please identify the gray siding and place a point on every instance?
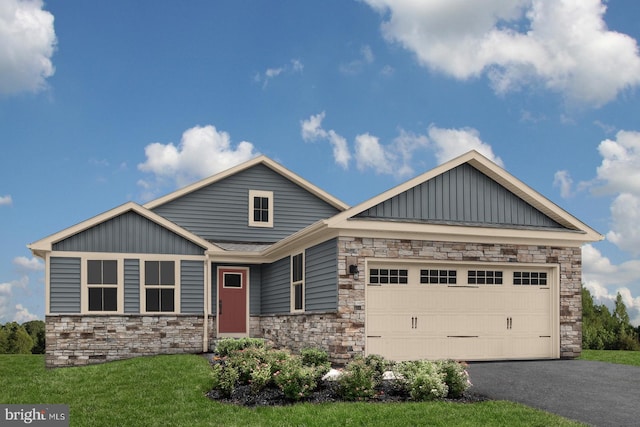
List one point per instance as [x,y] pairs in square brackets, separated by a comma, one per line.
[131,286]
[276,287]
[321,277]
[255,279]
[129,233]
[64,285]
[219,212]
[191,287]
[463,195]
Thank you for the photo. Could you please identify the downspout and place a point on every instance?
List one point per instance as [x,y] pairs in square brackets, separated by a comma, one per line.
[205,305]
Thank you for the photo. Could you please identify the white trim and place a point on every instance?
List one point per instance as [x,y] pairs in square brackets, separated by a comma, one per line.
[47,283]
[84,286]
[251,203]
[302,283]
[247,271]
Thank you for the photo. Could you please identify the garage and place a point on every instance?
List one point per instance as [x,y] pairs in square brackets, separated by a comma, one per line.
[463,311]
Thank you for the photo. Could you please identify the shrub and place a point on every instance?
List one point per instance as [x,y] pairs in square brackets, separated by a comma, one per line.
[260,377]
[277,359]
[295,381]
[357,381]
[455,376]
[422,380]
[317,359]
[227,345]
[379,365]
[224,379]
[245,361]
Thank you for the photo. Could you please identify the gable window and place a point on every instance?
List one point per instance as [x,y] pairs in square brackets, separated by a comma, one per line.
[297,282]
[260,208]
[160,283]
[102,284]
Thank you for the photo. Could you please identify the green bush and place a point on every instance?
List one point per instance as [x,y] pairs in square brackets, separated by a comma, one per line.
[317,359]
[227,345]
[295,381]
[277,359]
[246,361]
[455,376]
[224,379]
[422,380]
[379,365]
[260,377]
[357,381]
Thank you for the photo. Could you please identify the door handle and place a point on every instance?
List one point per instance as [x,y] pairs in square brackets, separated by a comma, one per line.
[414,323]
[509,322]
[219,307]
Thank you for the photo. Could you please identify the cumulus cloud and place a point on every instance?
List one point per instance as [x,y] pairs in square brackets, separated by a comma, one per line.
[311,130]
[390,159]
[562,180]
[202,151]
[25,264]
[27,43]
[563,44]
[451,143]
[6,200]
[294,66]
[605,280]
[7,297]
[22,314]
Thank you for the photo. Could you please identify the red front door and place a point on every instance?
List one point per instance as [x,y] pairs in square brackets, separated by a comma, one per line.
[232,300]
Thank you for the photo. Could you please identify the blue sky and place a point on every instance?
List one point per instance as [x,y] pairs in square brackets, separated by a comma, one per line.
[106,102]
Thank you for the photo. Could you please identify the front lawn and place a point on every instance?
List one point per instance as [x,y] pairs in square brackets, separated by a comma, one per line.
[170,391]
[621,357]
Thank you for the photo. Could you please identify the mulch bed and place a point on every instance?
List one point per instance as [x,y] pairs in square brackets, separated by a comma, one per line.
[325,393]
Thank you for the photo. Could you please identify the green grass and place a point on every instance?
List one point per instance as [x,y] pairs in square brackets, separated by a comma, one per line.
[169,391]
[620,357]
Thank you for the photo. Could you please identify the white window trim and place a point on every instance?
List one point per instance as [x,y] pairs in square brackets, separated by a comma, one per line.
[84,285]
[176,288]
[269,196]
[297,283]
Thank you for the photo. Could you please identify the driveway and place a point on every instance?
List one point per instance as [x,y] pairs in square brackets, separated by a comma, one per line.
[596,393]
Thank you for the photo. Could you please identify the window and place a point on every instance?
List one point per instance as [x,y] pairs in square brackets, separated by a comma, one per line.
[297,282]
[159,282]
[102,283]
[260,208]
[438,276]
[383,276]
[529,278]
[232,280]
[484,277]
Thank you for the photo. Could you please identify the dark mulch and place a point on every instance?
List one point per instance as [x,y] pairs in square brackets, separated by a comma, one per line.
[325,393]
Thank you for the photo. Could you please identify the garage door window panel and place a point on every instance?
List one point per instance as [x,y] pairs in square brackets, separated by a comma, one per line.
[530,278]
[484,277]
[441,277]
[387,276]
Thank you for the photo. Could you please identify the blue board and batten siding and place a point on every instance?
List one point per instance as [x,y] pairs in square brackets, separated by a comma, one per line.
[276,287]
[191,287]
[321,277]
[131,286]
[129,233]
[461,195]
[64,282]
[220,211]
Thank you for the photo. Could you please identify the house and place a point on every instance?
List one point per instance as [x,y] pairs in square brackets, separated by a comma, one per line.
[464,261]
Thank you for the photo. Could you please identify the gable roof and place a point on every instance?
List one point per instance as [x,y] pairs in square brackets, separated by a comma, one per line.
[566,221]
[40,247]
[264,160]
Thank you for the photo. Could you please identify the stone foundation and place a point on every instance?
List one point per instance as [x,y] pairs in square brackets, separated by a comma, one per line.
[74,340]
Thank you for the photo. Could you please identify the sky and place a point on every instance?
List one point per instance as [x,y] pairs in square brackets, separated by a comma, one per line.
[102,103]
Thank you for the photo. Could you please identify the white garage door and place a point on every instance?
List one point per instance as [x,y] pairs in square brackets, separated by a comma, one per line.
[463,312]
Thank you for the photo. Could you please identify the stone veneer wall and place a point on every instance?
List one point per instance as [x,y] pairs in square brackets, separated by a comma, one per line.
[88,339]
[351,292]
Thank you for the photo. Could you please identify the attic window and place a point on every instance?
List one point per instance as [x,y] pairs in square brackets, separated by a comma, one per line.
[260,208]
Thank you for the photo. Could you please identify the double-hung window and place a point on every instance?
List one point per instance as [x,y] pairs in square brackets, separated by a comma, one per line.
[102,284]
[297,282]
[260,208]
[160,285]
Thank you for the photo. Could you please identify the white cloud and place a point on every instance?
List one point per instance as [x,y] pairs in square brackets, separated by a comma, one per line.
[295,66]
[357,65]
[27,43]
[451,143]
[7,295]
[311,130]
[391,159]
[6,200]
[28,264]
[564,44]
[625,227]
[562,179]
[22,314]
[605,280]
[203,151]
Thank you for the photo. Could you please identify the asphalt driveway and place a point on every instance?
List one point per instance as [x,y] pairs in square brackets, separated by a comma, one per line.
[596,393]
